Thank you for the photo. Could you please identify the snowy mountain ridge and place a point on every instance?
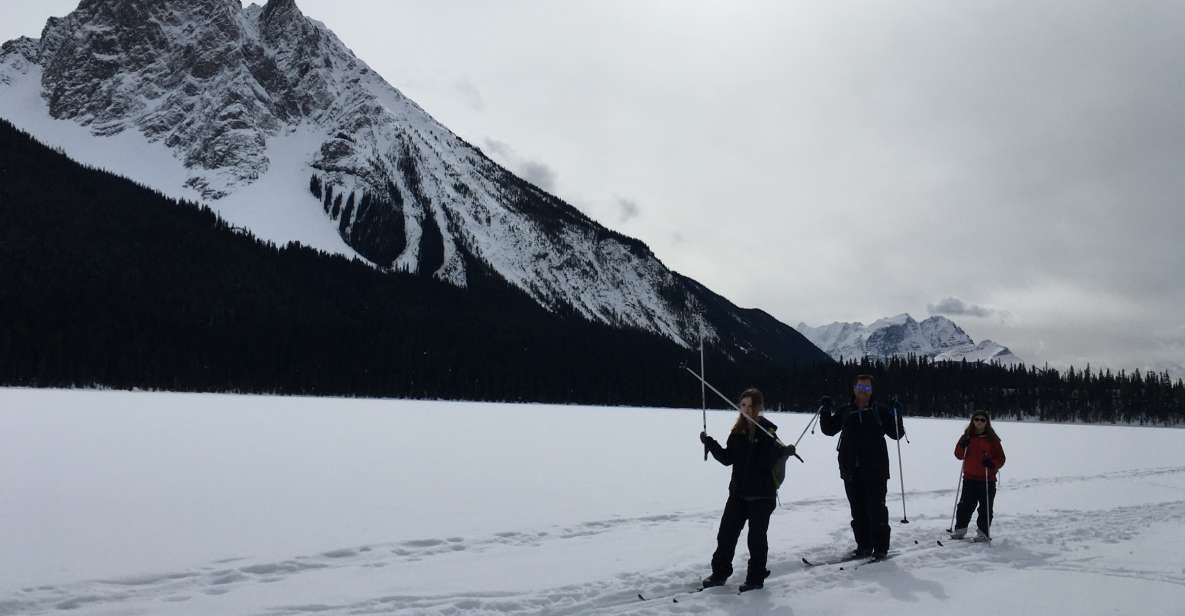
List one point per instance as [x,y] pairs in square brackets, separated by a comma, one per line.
[937,337]
[268,117]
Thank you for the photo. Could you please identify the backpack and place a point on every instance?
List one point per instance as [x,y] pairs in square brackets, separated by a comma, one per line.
[779,470]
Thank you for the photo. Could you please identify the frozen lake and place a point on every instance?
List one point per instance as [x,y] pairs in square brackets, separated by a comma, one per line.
[152,503]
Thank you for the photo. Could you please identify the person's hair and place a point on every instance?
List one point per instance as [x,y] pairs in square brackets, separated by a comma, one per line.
[987,430]
[757,400]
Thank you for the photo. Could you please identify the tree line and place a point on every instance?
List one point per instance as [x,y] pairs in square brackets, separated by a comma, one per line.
[105,283]
[1027,393]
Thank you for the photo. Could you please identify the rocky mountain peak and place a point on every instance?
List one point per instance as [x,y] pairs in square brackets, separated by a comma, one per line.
[936,337]
[28,49]
[280,9]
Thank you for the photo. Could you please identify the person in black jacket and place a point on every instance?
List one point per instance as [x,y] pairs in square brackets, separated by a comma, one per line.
[752,492]
[864,462]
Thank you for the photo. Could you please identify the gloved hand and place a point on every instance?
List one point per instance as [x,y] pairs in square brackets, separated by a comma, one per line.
[987,462]
[964,441]
[707,440]
[825,403]
[789,450]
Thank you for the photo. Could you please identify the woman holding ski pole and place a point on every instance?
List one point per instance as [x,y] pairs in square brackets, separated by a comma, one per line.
[752,492]
[982,454]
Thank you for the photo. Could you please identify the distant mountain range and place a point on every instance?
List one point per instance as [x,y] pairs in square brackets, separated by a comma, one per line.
[936,337]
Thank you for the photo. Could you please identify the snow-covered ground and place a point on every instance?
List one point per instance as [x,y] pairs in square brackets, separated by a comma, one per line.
[136,503]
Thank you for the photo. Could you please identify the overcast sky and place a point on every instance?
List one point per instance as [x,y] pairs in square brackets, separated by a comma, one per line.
[1018,166]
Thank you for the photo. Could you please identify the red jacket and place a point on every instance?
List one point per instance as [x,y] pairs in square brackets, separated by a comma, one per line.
[973,455]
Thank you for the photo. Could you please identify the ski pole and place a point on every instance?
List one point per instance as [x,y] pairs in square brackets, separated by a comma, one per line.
[808,425]
[958,490]
[987,501]
[735,407]
[992,509]
[703,396]
[900,469]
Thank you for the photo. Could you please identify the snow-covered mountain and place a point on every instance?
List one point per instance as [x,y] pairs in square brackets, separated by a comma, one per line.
[264,114]
[936,337]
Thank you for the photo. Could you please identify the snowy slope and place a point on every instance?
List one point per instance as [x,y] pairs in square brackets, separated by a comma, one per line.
[936,337]
[121,503]
[244,107]
[986,351]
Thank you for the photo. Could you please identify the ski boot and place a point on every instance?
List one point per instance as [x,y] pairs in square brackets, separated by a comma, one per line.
[713,580]
[752,584]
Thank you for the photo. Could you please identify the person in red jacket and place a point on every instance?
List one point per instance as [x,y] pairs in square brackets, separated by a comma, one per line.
[982,454]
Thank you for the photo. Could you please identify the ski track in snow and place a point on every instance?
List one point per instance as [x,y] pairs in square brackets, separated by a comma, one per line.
[1054,540]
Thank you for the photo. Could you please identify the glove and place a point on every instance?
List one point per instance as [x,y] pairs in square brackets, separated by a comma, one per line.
[788,451]
[825,402]
[707,440]
[987,462]
[963,442]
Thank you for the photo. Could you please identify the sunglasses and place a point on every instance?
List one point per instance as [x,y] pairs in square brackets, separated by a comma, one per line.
[864,388]
[979,419]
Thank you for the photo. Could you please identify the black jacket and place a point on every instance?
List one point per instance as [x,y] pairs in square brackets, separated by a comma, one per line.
[862,449]
[751,455]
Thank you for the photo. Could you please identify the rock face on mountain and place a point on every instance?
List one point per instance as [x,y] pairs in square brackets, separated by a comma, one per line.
[936,337]
[265,96]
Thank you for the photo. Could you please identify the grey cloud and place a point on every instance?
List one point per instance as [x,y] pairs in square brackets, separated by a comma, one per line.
[1174,340]
[956,307]
[1016,173]
[538,174]
[629,209]
[469,94]
[497,148]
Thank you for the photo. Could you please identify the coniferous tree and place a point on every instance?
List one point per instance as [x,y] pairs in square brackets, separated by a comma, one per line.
[347,213]
[315,186]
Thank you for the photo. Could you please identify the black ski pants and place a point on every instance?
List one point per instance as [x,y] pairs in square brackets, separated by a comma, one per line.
[975,496]
[870,516]
[738,511]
